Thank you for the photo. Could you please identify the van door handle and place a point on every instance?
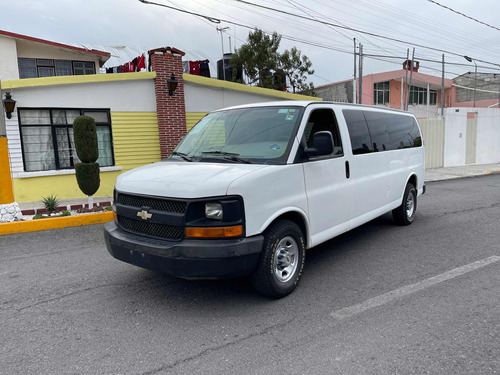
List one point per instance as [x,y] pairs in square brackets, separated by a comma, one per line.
[347,170]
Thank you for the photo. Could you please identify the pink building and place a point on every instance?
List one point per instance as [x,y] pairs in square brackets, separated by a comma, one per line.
[390,89]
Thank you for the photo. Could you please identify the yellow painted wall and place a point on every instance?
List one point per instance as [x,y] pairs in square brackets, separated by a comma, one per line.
[192,118]
[135,143]
[64,187]
[135,138]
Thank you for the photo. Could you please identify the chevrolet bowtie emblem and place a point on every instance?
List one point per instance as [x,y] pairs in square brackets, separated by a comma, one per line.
[144,215]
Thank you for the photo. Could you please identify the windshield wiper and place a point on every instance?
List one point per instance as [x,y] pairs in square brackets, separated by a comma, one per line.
[228,155]
[182,155]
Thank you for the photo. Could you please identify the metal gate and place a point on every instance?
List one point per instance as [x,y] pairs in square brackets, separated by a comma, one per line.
[433,132]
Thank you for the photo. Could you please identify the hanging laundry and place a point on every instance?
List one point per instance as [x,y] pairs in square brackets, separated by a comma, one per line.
[185,66]
[141,62]
[204,68]
[194,68]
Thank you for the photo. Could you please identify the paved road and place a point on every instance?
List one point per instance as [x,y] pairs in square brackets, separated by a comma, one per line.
[379,300]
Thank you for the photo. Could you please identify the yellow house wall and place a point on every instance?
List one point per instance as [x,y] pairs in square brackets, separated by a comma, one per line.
[135,143]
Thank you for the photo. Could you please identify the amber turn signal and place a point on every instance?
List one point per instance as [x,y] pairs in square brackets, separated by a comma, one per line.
[214,232]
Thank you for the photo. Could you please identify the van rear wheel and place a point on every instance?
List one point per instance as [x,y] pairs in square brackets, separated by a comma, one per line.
[405,214]
[281,261]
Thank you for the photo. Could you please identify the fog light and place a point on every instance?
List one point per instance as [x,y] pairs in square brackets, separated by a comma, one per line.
[213,211]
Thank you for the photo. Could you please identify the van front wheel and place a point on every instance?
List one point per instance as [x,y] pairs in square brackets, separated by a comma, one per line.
[282,260]
[404,214]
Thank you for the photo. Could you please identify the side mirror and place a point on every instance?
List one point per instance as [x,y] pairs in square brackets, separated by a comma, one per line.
[322,144]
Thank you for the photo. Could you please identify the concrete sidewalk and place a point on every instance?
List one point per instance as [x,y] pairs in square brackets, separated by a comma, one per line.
[450,173]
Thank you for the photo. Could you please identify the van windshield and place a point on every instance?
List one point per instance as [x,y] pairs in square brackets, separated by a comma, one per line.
[248,135]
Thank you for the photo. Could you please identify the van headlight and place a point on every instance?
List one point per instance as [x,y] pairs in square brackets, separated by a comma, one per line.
[213,210]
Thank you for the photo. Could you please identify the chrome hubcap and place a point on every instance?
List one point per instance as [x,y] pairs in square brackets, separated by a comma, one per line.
[286,259]
[410,205]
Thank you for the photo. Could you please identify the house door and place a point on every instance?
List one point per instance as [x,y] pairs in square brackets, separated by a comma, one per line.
[471,138]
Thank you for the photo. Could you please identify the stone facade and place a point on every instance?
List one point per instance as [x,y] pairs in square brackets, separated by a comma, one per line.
[10,212]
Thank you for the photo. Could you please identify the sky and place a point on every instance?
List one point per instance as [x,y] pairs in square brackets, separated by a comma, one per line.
[421,24]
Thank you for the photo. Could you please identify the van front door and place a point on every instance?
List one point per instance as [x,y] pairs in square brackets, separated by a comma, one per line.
[326,180]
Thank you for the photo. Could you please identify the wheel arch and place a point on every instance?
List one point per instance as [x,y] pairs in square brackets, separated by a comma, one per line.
[296,216]
[413,180]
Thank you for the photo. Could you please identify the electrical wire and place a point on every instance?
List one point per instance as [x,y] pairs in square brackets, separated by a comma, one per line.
[464,15]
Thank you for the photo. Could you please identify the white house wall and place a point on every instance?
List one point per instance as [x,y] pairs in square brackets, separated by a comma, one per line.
[126,96]
[8,59]
[207,98]
[488,136]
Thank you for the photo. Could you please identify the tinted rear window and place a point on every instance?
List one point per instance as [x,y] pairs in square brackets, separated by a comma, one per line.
[386,131]
[358,131]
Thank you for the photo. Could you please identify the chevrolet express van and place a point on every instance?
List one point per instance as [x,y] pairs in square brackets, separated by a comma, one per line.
[251,187]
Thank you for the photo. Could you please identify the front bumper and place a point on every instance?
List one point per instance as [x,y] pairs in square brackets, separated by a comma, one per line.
[186,258]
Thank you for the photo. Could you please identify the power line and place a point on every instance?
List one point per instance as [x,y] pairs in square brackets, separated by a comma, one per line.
[464,15]
[357,30]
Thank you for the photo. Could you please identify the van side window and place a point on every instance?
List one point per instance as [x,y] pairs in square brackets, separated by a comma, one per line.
[358,131]
[392,131]
[323,120]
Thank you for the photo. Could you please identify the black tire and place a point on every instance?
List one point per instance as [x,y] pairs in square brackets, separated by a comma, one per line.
[281,261]
[405,214]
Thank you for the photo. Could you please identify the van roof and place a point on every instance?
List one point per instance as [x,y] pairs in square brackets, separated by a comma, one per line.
[306,103]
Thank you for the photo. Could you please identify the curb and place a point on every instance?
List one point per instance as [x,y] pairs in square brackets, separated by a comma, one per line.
[55,223]
[69,207]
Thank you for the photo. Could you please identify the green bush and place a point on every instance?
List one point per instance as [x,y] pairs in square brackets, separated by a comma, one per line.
[87,177]
[50,203]
[85,135]
[65,213]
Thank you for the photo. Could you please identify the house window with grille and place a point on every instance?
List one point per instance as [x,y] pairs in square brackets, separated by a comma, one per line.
[381,93]
[418,96]
[47,137]
[34,68]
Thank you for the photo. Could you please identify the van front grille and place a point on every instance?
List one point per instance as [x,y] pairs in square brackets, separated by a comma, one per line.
[170,232]
[165,205]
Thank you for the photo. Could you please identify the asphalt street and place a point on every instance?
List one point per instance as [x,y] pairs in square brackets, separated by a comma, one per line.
[380,299]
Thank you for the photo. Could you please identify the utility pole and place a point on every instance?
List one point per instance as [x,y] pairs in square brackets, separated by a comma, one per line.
[442,91]
[360,96]
[469,59]
[354,84]
[222,29]
[406,78]
[411,75]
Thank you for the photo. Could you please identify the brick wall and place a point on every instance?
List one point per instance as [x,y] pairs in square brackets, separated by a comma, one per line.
[171,110]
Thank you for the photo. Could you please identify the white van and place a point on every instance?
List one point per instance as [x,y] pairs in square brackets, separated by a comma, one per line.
[250,188]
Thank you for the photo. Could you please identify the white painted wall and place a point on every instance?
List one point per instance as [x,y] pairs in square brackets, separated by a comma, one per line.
[207,98]
[8,59]
[488,136]
[126,96]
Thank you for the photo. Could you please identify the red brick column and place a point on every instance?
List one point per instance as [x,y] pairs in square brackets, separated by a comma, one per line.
[171,110]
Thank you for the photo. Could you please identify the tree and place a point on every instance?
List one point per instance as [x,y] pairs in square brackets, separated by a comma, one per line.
[87,172]
[295,67]
[265,67]
[258,58]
